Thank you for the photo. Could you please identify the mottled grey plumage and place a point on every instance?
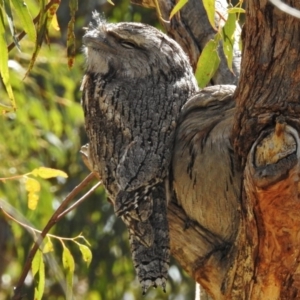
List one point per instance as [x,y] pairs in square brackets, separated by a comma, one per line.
[205,173]
[137,80]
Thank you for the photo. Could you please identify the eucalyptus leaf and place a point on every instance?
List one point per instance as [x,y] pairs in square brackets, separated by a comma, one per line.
[4,64]
[208,63]
[229,38]
[10,21]
[179,5]
[209,6]
[25,18]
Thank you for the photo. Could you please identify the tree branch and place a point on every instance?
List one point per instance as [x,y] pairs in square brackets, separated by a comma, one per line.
[286,8]
[192,30]
[58,214]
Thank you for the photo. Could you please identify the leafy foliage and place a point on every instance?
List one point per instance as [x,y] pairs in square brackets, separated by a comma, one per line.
[228,32]
[4,67]
[38,268]
[209,59]
[46,129]
[32,186]
[209,6]
[208,63]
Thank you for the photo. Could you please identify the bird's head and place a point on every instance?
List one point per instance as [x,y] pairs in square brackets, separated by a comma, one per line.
[131,50]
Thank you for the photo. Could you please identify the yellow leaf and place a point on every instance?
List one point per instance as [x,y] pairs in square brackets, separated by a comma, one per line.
[48,246]
[33,200]
[110,2]
[32,185]
[35,265]
[48,173]
[68,260]
[69,284]
[180,4]
[86,253]
[54,22]
[69,266]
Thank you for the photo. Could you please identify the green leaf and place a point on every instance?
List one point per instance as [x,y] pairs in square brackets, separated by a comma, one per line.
[229,38]
[86,253]
[39,265]
[234,10]
[45,18]
[35,293]
[35,266]
[25,18]
[209,6]
[69,288]
[180,4]
[41,285]
[208,63]
[69,265]
[4,72]
[41,34]
[68,260]
[48,247]
[10,21]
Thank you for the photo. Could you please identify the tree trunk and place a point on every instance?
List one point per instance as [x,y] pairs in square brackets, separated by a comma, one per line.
[204,218]
[266,132]
[235,215]
[261,259]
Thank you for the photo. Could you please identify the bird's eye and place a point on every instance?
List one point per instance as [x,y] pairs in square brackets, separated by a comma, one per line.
[128,45]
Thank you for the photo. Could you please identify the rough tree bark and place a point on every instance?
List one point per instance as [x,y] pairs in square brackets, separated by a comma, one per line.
[191,29]
[210,225]
[260,259]
[266,132]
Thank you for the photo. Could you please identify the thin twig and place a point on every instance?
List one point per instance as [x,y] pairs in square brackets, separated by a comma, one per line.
[79,201]
[18,289]
[159,13]
[34,230]
[286,8]
[18,222]
[221,16]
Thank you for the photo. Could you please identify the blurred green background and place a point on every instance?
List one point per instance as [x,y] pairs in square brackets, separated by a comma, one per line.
[47,130]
